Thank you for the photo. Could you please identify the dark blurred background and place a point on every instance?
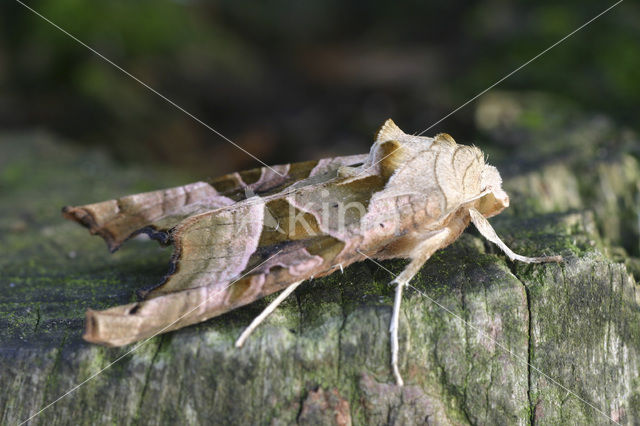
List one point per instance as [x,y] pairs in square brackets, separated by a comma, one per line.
[290,81]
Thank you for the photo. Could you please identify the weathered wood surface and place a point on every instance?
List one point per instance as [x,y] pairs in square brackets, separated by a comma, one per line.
[323,357]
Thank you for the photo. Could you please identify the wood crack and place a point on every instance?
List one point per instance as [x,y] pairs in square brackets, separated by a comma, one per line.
[136,417]
[532,404]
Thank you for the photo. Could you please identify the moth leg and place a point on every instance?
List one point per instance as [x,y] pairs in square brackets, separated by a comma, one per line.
[264,314]
[487,231]
[339,265]
[394,330]
[422,253]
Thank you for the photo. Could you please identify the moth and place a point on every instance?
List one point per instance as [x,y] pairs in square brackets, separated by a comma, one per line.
[249,234]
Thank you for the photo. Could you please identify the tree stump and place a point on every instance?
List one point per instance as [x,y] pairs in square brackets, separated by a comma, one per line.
[483,340]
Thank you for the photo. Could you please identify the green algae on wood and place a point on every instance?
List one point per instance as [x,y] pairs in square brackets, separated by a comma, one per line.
[577,322]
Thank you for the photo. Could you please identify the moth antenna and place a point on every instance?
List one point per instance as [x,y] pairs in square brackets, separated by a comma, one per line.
[264,314]
[487,231]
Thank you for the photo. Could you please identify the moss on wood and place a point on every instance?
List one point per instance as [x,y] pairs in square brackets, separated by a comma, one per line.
[326,350]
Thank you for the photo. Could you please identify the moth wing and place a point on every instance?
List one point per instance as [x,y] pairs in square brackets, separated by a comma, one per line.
[157,212]
[152,212]
[223,258]
[124,324]
[304,236]
[219,266]
[214,247]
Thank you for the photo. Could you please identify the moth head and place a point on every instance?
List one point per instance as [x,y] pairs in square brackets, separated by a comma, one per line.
[496,199]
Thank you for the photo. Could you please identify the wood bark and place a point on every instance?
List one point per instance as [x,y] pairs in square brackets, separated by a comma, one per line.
[323,356]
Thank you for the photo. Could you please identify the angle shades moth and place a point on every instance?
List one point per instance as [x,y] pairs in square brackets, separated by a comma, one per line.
[245,235]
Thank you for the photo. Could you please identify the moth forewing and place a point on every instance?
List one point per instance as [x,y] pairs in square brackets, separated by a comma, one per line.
[236,242]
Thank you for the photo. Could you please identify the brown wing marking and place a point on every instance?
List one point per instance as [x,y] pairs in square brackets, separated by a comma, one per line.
[156,212]
[218,235]
[295,261]
[152,212]
[214,247]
